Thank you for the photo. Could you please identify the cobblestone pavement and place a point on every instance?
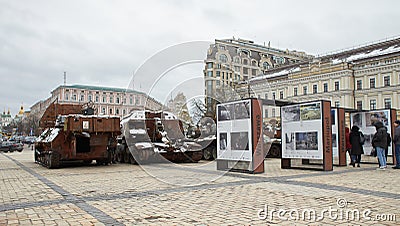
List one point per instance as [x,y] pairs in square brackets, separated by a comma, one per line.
[194,194]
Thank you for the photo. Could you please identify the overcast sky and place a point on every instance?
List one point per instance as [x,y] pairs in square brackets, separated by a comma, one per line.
[103,42]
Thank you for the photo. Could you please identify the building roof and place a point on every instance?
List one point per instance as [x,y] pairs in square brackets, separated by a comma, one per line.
[374,49]
[100,88]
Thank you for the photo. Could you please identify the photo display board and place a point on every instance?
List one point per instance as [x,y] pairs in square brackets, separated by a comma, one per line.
[234,131]
[302,131]
[365,121]
[335,132]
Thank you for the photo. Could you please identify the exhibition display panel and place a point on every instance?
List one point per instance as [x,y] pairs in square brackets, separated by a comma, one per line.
[338,136]
[239,136]
[307,133]
[365,121]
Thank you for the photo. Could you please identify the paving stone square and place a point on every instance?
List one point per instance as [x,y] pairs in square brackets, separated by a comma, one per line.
[194,194]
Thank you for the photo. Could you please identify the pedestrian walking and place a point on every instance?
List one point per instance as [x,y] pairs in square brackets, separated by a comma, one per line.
[396,142]
[356,138]
[379,142]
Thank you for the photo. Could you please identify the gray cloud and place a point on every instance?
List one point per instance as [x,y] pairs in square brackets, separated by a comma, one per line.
[101,42]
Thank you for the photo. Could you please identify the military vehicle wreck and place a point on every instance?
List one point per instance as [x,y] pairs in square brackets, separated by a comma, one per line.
[155,136]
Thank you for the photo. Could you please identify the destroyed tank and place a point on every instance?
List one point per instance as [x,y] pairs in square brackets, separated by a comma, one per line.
[78,137]
[153,137]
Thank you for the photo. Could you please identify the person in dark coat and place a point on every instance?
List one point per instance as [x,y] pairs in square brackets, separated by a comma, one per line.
[396,142]
[379,142]
[356,146]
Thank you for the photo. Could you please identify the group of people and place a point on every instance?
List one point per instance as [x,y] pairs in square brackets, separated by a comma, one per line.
[380,142]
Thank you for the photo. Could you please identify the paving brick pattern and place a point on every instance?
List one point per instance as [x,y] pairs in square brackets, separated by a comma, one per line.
[192,194]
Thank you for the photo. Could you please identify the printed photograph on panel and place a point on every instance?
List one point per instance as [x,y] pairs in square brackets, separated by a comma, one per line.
[334,143]
[291,113]
[333,116]
[368,140]
[310,111]
[289,141]
[225,112]
[372,117]
[223,141]
[240,141]
[357,119]
[242,110]
[307,141]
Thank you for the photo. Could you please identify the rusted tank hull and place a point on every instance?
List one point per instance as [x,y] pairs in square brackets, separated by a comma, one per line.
[80,138]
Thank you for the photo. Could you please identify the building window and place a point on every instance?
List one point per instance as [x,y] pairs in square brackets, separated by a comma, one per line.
[104,99]
[337,104]
[273,95]
[372,104]
[245,62]
[386,81]
[111,99]
[372,83]
[273,112]
[209,65]
[254,72]
[90,98]
[336,86]
[218,73]
[223,58]
[103,110]
[266,96]
[97,99]
[210,74]
[66,96]
[359,84]
[117,111]
[110,111]
[388,103]
[304,90]
[117,101]
[124,112]
[281,95]
[315,89]
[295,91]
[74,97]
[236,60]
[82,98]
[359,105]
[245,71]
[266,113]
[325,87]
[137,101]
[130,100]
[266,66]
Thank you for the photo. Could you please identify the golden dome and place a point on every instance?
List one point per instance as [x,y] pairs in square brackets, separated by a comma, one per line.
[21,111]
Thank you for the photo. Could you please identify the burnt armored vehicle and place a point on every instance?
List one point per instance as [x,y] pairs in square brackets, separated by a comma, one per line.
[155,136]
[85,137]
